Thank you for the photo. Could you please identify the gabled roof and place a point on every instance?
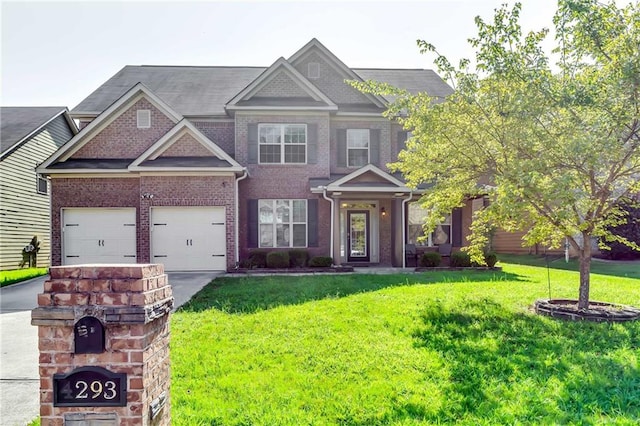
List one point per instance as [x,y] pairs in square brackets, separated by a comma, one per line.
[18,124]
[381,182]
[204,91]
[150,159]
[315,46]
[281,65]
[111,113]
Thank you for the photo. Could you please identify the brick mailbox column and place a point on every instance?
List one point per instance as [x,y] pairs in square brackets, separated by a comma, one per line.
[104,345]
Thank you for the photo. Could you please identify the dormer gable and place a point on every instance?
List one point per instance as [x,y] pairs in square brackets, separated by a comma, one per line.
[185,148]
[366,179]
[327,72]
[281,86]
[104,135]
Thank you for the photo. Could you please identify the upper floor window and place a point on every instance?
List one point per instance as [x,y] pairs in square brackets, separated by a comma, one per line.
[417,216]
[144,118]
[282,143]
[357,147]
[42,186]
[282,223]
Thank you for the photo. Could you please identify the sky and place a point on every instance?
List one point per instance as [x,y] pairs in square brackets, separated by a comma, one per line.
[57,53]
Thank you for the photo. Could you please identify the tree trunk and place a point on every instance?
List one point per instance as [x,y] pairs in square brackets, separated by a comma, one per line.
[585,269]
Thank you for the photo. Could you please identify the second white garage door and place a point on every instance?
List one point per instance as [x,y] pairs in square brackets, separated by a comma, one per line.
[189,238]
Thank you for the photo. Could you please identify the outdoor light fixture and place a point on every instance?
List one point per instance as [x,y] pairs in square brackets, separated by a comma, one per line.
[383,212]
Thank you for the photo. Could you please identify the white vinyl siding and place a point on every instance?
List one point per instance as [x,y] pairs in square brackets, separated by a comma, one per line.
[25,213]
[282,223]
[282,143]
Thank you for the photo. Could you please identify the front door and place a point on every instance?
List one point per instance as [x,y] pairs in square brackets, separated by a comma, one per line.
[358,236]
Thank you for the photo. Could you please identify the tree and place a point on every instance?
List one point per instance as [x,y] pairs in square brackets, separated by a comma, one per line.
[554,148]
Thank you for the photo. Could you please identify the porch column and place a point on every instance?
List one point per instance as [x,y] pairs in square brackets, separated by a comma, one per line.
[337,260]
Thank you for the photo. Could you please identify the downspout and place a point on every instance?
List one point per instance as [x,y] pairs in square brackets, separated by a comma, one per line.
[404,231]
[245,175]
[330,200]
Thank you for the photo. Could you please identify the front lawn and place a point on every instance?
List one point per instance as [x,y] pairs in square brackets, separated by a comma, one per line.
[17,275]
[433,348]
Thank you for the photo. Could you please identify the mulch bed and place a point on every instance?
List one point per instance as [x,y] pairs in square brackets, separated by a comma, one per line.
[567,309]
[291,270]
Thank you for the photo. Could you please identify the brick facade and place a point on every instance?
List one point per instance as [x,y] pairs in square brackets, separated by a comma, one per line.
[123,139]
[222,133]
[282,86]
[186,146]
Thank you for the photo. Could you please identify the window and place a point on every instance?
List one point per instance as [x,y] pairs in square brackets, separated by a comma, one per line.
[283,143]
[283,223]
[441,235]
[42,186]
[357,147]
[144,118]
[313,70]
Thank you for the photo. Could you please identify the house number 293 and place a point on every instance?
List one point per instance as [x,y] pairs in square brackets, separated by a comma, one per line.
[90,387]
[95,389]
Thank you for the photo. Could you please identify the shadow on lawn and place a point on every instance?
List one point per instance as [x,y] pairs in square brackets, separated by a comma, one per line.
[625,269]
[252,294]
[560,371]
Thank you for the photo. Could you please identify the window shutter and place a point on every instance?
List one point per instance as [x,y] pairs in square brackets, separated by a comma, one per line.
[374,146]
[456,224]
[252,225]
[342,147]
[312,222]
[402,140]
[312,143]
[252,143]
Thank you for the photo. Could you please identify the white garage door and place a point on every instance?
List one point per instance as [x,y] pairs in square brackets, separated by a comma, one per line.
[98,236]
[189,238]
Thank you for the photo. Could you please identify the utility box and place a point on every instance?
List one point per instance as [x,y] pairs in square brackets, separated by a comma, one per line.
[103,337]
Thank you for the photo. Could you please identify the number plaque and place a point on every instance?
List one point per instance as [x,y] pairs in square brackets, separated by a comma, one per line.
[90,387]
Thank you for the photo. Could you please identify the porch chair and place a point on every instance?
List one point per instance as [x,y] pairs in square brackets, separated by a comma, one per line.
[445,253]
[411,255]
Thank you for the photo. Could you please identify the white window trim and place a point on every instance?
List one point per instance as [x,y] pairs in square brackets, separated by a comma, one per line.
[282,144]
[41,178]
[368,148]
[446,222]
[290,223]
[143,118]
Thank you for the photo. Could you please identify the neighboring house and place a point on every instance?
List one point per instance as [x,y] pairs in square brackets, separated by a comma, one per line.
[28,136]
[194,167]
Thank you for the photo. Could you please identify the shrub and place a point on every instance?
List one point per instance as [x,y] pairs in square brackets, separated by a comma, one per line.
[278,259]
[490,259]
[298,258]
[430,260]
[321,262]
[460,260]
[258,258]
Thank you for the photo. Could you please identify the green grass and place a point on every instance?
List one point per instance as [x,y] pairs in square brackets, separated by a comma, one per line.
[17,275]
[630,269]
[434,348]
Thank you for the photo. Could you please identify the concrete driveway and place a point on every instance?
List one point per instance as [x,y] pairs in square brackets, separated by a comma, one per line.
[19,377]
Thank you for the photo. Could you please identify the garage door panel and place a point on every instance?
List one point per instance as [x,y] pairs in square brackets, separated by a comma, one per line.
[99,236]
[189,238]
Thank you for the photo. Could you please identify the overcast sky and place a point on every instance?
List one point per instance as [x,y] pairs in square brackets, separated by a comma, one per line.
[57,53]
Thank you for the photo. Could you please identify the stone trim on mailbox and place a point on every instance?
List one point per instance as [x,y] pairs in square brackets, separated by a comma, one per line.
[132,304]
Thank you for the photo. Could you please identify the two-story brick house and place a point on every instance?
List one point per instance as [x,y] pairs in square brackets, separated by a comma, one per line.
[195,166]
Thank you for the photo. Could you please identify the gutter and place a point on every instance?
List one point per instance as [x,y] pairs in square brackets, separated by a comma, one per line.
[237,217]
[330,200]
